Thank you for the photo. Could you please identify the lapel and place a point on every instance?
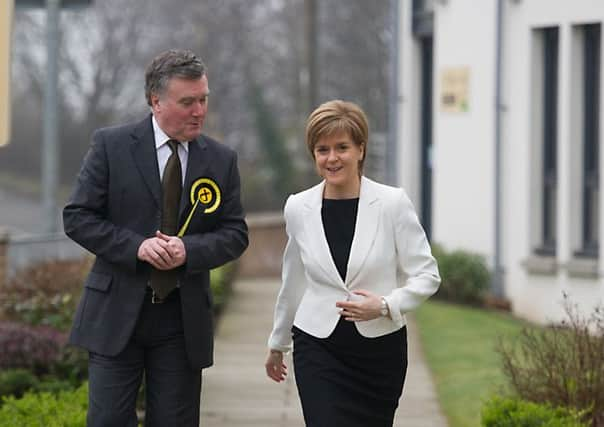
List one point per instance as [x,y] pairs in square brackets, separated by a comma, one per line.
[145,157]
[365,229]
[315,234]
[197,165]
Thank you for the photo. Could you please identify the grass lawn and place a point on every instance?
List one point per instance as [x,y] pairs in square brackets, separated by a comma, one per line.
[459,344]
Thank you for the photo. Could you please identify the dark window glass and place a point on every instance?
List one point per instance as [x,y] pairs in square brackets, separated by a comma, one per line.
[550,139]
[591,148]
[423,18]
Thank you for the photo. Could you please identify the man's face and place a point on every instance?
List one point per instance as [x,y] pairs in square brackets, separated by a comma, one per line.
[181,109]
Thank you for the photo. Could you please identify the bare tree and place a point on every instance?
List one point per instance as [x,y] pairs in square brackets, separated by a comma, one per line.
[258,67]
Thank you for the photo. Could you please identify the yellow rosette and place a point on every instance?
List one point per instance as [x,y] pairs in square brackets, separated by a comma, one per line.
[205,192]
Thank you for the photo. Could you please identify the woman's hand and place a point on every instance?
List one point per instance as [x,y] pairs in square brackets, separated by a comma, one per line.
[366,308]
[275,368]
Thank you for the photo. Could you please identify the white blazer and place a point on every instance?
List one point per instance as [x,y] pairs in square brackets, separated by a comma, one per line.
[390,256]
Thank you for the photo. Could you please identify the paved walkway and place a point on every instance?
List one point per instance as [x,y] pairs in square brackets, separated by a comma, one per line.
[237,393]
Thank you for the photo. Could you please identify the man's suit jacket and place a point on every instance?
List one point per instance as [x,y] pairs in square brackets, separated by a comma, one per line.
[116,204]
[389,256]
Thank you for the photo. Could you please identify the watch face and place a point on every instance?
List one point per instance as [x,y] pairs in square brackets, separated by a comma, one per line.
[384,308]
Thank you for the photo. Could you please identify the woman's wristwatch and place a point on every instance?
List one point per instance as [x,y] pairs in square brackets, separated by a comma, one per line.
[384,307]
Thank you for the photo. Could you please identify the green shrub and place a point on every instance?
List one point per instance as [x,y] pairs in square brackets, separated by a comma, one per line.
[15,382]
[221,279]
[562,365]
[36,358]
[438,252]
[53,385]
[510,412]
[66,409]
[71,365]
[465,276]
[45,294]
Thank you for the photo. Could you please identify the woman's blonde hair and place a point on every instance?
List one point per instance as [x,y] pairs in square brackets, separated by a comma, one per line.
[334,117]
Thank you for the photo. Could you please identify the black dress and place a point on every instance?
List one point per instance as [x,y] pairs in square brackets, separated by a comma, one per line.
[347,379]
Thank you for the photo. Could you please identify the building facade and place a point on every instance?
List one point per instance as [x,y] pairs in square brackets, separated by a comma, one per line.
[500,128]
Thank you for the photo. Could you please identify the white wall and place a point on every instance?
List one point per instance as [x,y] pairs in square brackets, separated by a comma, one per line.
[463,151]
[463,142]
[408,119]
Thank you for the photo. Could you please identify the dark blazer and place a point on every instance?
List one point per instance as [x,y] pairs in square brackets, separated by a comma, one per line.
[116,204]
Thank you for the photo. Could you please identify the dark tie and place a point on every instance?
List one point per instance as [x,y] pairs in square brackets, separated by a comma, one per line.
[162,281]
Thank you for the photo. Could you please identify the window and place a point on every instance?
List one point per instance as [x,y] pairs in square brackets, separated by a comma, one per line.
[591,135]
[423,18]
[549,142]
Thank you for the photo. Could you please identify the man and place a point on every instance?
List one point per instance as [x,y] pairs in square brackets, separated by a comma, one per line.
[158,203]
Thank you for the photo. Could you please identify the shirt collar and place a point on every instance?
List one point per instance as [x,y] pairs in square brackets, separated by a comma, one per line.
[161,138]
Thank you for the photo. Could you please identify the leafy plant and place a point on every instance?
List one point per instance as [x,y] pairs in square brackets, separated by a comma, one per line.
[54,385]
[45,294]
[562,365]
[510,412]
[221,279]
[71,365]
[15,382]
[465,276]
[65,409]
[36,348]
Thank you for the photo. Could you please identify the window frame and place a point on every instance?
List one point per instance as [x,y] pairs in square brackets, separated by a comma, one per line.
[549,141]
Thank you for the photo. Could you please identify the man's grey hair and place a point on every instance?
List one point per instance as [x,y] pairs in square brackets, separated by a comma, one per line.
[171,63]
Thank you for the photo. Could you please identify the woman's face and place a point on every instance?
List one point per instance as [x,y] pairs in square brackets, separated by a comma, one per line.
[337,160]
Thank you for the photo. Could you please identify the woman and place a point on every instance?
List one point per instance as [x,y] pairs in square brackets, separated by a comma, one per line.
[356,260]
